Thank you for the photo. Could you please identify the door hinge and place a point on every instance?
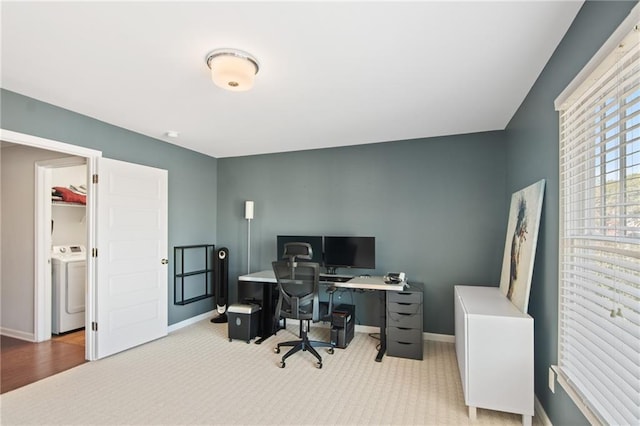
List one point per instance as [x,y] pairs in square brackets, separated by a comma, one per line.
[94,252]
[94,178]
[94,326]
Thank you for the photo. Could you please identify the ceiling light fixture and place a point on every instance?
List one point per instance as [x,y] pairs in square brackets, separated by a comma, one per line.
[232,69]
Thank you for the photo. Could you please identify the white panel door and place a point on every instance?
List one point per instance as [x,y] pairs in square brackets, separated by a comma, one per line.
[131,306]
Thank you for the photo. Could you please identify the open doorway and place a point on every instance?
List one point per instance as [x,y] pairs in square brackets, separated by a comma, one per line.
[28,165]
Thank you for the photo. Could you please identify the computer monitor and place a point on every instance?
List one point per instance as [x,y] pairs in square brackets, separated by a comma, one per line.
[350,252]
[315,241]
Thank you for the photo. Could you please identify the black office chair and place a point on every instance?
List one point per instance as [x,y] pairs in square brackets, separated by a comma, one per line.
[298,283]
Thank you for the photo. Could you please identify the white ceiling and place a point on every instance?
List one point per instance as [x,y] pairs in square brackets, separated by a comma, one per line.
[331,73]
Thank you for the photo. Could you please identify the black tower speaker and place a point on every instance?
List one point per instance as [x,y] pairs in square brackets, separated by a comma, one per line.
[221,283]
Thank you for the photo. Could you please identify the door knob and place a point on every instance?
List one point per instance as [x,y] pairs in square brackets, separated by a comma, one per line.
[164,261]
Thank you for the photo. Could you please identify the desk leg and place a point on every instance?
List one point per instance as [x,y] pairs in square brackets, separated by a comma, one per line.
[266,315]
[383,325]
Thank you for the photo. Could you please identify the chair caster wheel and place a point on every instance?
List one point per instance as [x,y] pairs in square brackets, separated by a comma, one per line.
[319,365]
[276,350]
[230,339]
[330,351]
[282,364]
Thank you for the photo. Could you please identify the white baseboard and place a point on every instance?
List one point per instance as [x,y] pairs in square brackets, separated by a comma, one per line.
[447,338]
[540,413]
[17,334]
[367,329]
[192,320]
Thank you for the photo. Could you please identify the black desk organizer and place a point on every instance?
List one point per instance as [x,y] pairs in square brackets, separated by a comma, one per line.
[193,277]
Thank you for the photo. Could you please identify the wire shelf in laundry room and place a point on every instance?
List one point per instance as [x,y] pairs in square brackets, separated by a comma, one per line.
[67,204]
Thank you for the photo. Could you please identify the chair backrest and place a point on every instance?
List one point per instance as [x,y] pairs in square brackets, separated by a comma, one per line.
[298,283]
[297,250]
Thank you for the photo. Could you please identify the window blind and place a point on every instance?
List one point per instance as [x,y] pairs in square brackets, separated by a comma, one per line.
[599,253]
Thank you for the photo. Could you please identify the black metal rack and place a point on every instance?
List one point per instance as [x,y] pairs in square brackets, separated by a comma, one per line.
[193,278]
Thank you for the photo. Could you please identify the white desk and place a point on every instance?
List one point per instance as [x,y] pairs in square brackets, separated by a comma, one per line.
[268,279]
[363,283]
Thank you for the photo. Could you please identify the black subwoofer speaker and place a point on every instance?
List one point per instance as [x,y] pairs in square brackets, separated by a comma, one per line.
[221,283]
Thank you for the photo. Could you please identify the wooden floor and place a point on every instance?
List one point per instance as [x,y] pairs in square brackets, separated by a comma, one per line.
[25,362]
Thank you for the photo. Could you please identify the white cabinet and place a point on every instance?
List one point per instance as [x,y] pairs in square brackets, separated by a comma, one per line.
[494,347]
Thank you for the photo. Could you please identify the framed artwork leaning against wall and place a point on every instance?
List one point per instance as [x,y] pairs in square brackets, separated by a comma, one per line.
[520,244]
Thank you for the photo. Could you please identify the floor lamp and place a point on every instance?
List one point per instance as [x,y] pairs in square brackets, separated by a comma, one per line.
[248,214]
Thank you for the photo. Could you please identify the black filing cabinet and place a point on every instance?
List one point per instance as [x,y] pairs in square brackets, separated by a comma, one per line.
[404,323]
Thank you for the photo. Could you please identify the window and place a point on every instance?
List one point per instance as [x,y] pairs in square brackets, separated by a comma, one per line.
[599,244]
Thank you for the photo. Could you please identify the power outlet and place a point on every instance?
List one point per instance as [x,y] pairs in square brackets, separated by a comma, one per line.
[552,380]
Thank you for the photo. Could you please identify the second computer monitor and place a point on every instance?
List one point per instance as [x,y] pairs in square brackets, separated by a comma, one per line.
[350,252]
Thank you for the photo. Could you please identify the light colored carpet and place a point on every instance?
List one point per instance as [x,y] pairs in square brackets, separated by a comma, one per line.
[196,376]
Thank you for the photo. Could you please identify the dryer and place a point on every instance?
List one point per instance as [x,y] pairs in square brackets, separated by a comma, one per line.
[69,282]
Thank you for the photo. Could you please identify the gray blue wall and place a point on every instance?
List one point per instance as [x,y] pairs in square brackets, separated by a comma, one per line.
[192,176]
[436,207]
[532,154]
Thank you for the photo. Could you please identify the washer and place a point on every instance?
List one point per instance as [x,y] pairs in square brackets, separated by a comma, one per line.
[69,269]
